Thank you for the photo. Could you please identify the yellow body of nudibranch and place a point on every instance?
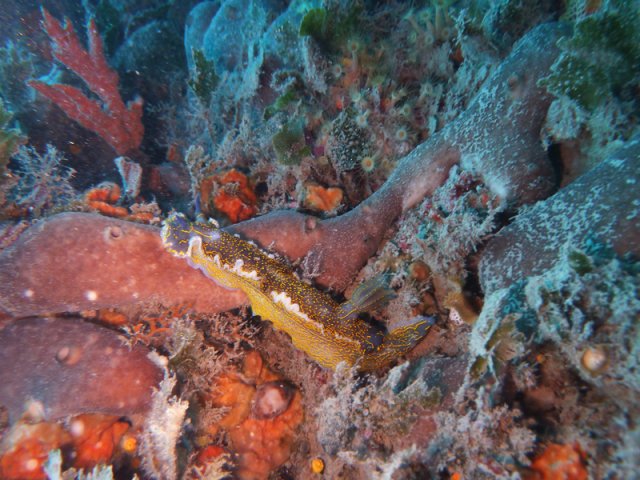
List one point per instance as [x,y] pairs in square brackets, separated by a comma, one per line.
[329,332]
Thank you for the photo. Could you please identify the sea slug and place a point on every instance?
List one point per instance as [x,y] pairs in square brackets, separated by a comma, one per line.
[328,331]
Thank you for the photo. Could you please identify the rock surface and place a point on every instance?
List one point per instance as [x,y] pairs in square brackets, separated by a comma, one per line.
[603,205]
[66,366]
[80,261]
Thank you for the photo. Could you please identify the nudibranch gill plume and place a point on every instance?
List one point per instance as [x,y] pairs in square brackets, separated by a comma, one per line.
[328,331]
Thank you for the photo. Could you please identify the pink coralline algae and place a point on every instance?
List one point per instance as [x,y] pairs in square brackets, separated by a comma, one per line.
[65,366]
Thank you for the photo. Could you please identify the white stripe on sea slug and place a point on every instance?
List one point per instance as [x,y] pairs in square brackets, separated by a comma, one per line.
[237,269]
[285,300]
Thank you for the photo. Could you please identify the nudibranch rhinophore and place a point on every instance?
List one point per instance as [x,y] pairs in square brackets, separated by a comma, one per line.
[328,331]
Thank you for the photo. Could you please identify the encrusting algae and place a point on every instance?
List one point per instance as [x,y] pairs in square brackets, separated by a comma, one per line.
[328,332]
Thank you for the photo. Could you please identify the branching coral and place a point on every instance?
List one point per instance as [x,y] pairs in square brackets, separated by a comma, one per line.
[119,125]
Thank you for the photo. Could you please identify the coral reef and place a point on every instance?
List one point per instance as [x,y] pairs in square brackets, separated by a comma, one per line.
[296,235]
[478,159]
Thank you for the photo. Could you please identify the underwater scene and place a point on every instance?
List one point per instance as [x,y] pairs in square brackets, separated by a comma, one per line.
[320,239]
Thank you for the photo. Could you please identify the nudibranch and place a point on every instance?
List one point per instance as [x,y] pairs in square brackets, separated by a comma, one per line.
[328,331]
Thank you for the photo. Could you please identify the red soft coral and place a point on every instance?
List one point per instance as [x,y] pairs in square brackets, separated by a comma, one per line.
[118,124]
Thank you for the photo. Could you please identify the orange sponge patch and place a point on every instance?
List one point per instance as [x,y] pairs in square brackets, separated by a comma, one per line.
[231,194]
[322,199]
[560,462]
[265,413]
[87,440]
[25,449]
[96,438]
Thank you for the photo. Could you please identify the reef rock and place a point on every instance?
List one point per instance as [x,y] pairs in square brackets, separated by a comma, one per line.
[498,137]
[80,261]
[54,367]
[602,205]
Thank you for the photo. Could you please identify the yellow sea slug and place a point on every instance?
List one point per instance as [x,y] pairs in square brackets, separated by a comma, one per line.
[328,331]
